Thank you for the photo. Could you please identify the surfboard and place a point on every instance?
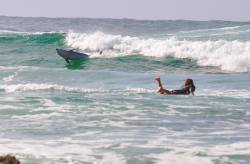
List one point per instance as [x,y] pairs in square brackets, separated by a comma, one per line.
[71,55]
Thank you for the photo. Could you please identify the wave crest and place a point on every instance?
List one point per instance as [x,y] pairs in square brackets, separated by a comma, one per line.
[29,38]
[227,55]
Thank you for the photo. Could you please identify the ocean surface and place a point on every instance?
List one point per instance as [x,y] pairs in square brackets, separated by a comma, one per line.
[106,110]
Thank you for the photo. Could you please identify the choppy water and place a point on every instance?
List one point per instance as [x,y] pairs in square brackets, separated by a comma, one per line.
[106,109]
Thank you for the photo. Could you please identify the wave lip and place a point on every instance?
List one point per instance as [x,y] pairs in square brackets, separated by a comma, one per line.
[31,38]
[227,55]
[30,33]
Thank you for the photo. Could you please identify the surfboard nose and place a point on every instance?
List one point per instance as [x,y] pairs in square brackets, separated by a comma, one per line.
[60,53]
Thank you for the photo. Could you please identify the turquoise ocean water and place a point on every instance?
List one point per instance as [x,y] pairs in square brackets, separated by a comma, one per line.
[106,110]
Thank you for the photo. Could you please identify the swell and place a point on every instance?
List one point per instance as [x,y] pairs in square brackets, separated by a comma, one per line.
[227,55]
[37,38]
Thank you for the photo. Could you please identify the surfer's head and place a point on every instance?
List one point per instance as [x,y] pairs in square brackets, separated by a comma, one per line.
[188,82]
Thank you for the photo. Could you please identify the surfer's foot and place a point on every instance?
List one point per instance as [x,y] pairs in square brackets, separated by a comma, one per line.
[158,79]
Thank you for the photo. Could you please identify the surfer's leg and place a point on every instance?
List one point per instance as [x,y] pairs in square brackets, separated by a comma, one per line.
[161,90]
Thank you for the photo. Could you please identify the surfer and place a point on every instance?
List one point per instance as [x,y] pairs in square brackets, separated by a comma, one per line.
[187,89]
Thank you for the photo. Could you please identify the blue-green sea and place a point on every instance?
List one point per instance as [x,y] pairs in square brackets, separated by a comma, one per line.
[106,110]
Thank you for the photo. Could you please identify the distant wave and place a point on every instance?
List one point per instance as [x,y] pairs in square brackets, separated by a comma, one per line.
[10,77]
[229,33]
[35,87]
[29,33]
[227,55]
[239,93]
[51,87]
[30,37]
[212,29]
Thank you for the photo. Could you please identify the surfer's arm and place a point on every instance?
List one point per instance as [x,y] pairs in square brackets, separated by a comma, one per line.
[161,90]
[191,90]
[164,91]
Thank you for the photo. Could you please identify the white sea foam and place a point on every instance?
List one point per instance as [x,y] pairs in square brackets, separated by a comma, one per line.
[51,149]
[239,93]
[212,29]
[38,117]
[10,77]
[34,87]
[74,151]
[228,55]
[13,68]
[182,153]
[239,148]
[140,90]
[111,158]
[180,159]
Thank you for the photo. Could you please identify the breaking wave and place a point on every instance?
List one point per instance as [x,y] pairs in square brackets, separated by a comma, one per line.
[227,55]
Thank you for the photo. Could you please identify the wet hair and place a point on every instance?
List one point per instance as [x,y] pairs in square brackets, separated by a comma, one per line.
[190,84]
